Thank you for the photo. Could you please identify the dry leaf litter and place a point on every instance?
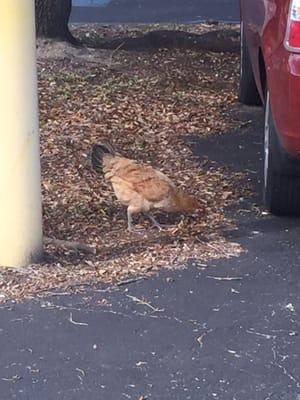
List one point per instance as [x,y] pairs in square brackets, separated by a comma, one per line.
[148,104]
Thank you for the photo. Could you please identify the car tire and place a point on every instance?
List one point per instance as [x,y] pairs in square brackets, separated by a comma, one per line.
[248,93]
[281,182]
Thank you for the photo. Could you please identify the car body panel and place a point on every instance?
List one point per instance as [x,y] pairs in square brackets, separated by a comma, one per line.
[265,25]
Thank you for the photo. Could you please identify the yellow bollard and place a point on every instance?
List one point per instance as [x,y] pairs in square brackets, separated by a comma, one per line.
[20,187]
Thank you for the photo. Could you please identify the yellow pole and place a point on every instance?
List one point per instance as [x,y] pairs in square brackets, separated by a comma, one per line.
[20,187]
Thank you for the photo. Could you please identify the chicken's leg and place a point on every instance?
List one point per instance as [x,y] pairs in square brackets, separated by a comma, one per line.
[155,223]
[131,210]
[129,219]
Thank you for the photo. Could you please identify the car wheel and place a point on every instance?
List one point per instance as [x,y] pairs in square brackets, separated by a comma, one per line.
[281,184]
[248,93]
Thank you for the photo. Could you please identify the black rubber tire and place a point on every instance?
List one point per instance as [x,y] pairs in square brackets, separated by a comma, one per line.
[248,93]
[281,174]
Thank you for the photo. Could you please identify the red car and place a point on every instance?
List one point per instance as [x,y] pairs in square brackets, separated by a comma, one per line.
[270,75]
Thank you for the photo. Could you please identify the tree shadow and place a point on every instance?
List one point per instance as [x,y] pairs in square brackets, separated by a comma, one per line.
[221,40]
[242,150]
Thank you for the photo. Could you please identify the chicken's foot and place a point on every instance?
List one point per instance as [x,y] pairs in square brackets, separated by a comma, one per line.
[130,224]
[154,221]
[150,216]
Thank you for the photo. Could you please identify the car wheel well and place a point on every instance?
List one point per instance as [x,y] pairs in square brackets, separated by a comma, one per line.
[262,73]
[282,182]
[248,88]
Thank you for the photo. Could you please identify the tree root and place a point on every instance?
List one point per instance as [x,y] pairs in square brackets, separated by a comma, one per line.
[222,40]
[70,245]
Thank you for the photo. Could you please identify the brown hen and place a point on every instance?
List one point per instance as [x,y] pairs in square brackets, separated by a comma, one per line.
[140,187]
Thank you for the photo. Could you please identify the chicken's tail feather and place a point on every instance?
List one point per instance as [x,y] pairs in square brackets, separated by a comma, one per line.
[98,152]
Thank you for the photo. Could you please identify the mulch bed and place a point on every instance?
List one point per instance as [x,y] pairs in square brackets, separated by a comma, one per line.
[148,104]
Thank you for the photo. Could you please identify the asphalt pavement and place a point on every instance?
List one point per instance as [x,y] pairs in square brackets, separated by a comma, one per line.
[195,337]
[151,11]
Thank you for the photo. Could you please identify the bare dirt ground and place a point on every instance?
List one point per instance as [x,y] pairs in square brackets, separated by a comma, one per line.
[148,104]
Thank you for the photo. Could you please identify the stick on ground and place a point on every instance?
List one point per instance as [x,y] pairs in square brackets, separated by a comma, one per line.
[70,245]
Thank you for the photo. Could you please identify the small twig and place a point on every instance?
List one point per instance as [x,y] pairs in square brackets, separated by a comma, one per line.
[70,245]
[49,294]
[265,335]
[208,244]
[143,302]
[81,371]
[13,379]
[284,369]
[109,64]
[128,281]
[287,373]
[213,247]
[225,278]
[76,323]
[80,377]
[201,337]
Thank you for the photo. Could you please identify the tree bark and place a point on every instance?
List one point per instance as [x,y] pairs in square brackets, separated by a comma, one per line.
[52,17]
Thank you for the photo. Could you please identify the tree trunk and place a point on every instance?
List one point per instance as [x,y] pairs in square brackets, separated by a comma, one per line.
[52,17]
